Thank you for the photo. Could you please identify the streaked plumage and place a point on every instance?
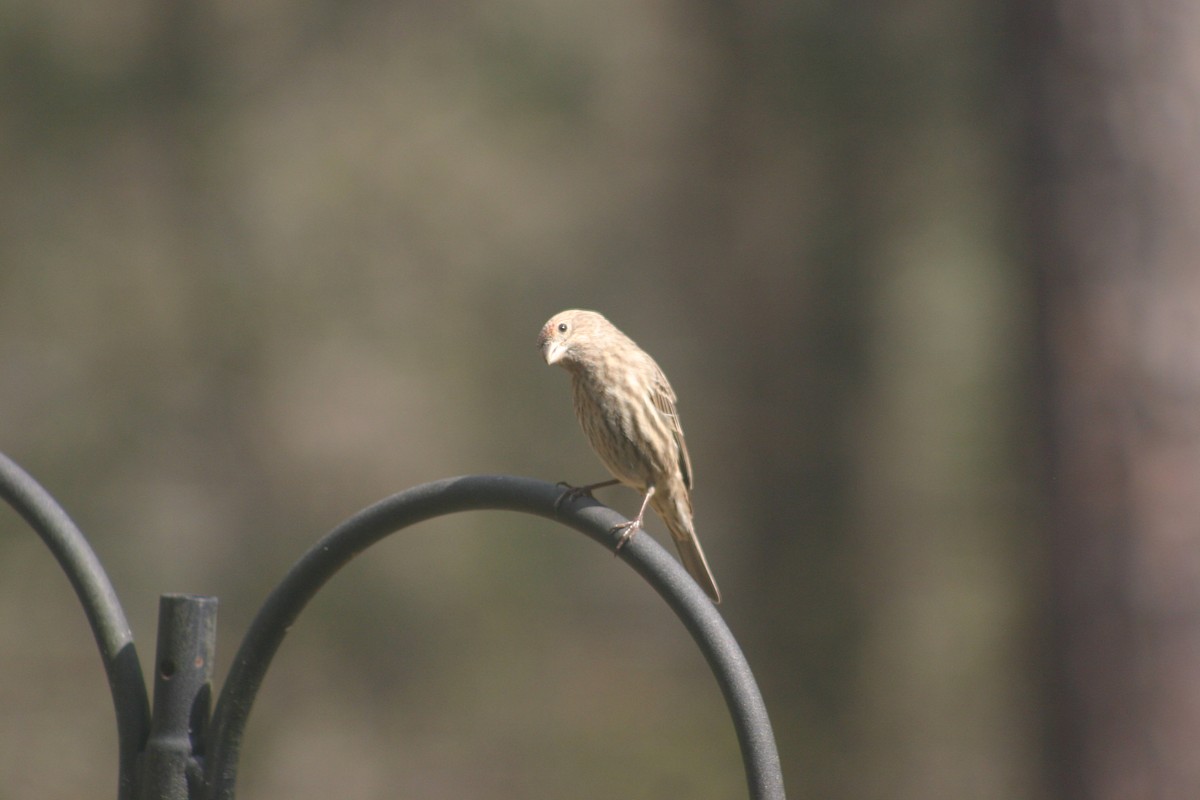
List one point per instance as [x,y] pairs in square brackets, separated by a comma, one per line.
[626,408]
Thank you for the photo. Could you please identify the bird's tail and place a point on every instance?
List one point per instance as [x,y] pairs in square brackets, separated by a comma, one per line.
[676,512]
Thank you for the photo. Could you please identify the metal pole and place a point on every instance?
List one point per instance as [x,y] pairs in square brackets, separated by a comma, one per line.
[500,492]
[187,633]
[186,755]
[100,604]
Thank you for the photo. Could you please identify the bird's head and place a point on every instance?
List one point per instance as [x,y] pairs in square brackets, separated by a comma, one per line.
[567,334]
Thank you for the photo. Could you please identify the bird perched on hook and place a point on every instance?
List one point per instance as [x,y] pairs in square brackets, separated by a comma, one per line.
[626,408]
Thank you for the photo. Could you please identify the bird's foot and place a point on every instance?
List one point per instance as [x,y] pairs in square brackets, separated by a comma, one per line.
[627,529]
[573,493]
[570,494]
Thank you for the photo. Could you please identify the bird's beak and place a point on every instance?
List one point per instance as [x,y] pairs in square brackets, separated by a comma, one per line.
[553,351]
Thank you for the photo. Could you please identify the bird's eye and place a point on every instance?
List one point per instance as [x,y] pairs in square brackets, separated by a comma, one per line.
[562,327]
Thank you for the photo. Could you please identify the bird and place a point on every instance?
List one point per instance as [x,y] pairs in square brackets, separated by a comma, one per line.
[626,408]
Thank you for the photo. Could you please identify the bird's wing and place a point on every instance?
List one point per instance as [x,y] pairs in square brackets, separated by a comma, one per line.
[663,397]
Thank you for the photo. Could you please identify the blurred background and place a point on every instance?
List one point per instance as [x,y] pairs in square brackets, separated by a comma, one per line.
[919,272]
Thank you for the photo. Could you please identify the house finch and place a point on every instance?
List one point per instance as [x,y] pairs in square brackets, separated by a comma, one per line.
[627,410]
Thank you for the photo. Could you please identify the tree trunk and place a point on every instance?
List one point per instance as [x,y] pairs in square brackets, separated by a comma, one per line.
[1115,218]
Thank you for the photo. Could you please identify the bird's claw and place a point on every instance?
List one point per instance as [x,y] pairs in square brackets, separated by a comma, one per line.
[627,529]
[571,494]
[576,492]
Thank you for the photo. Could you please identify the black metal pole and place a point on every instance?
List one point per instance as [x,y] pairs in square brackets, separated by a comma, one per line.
[100,604]
[187,633]
[169,756]
[498,492]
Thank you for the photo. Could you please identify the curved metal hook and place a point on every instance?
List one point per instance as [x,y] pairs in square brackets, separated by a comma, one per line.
[100,604]
[493,492]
